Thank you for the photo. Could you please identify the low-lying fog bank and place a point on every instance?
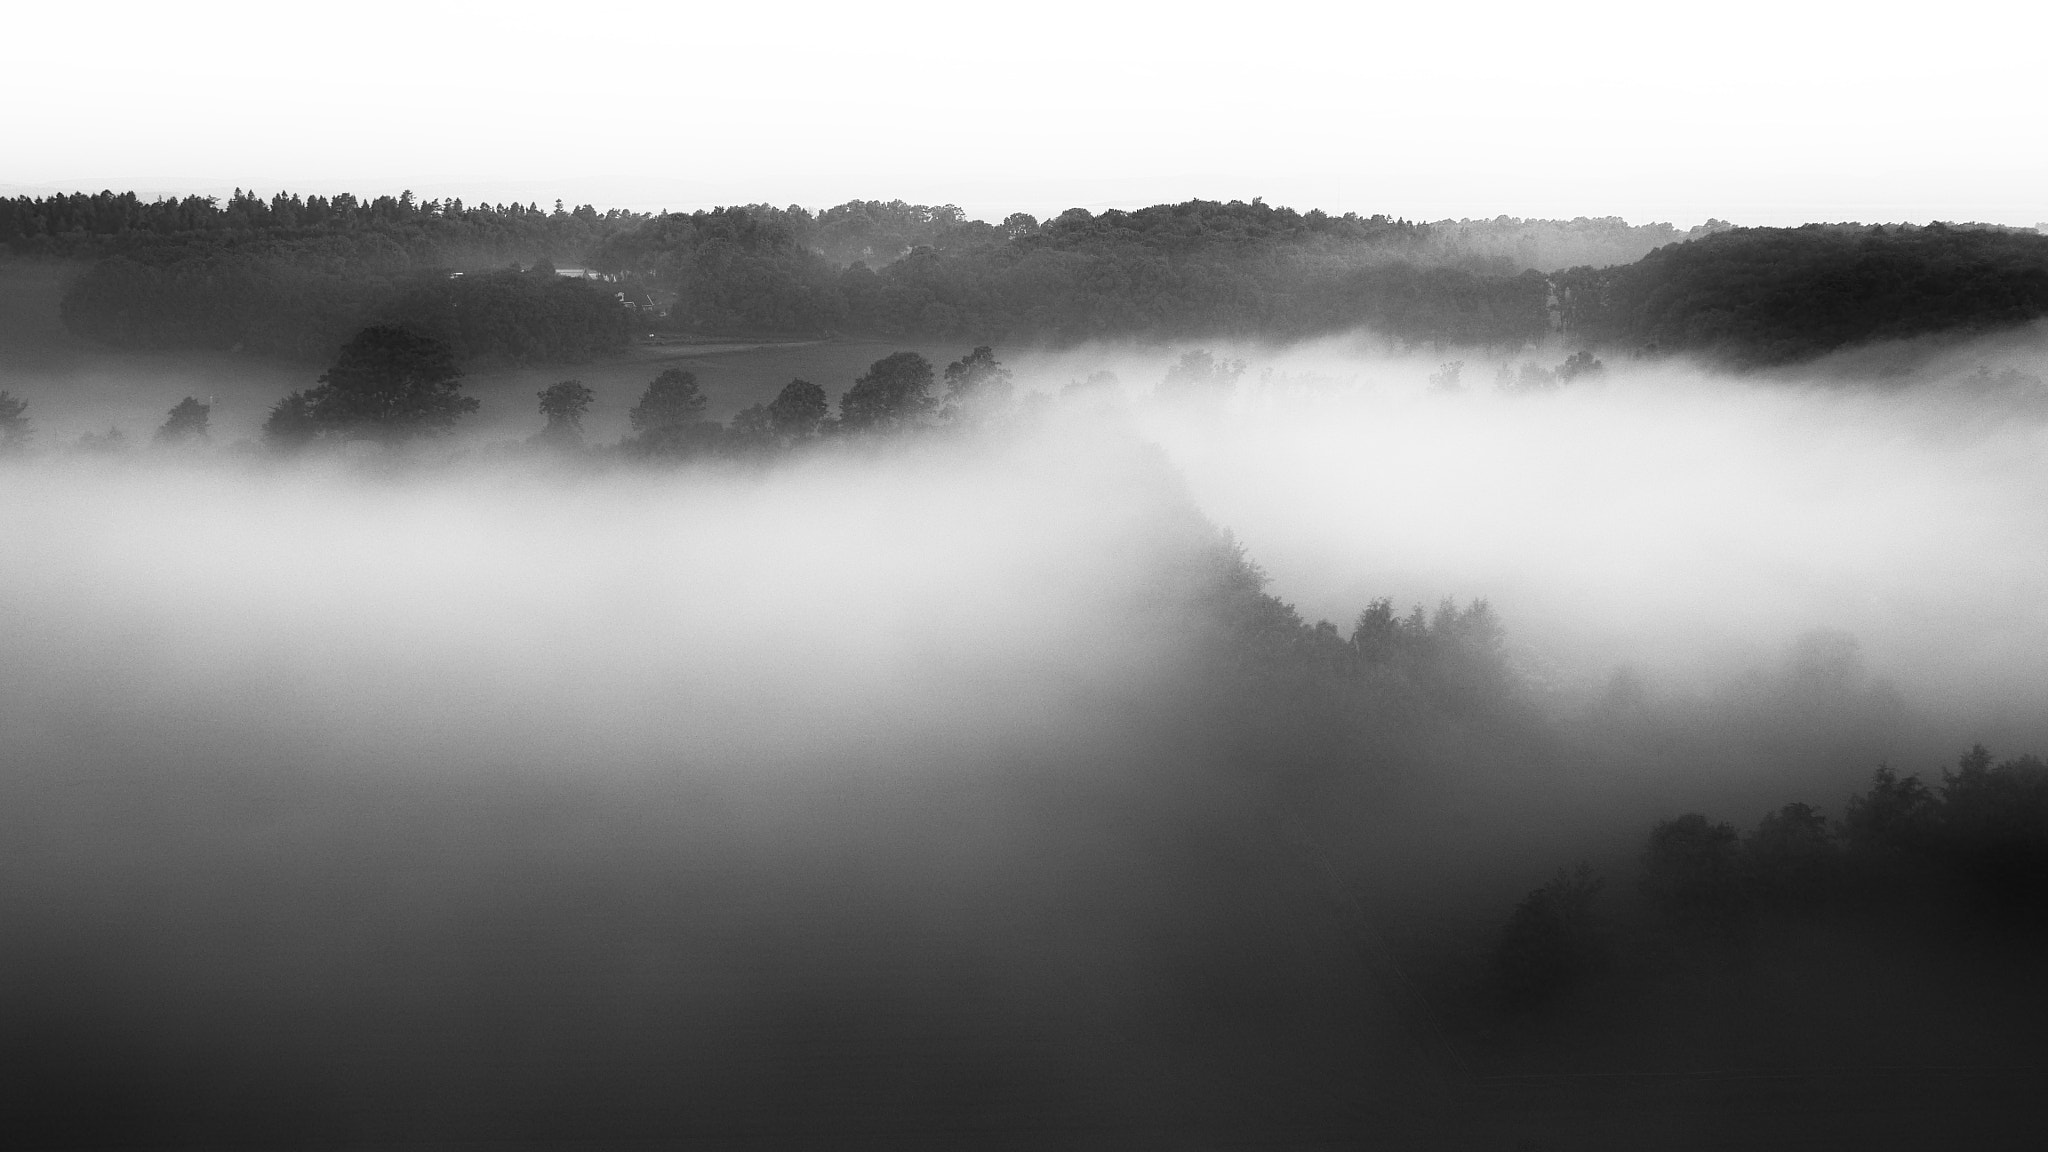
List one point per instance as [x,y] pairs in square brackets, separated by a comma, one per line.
[962,782]
[1688,525]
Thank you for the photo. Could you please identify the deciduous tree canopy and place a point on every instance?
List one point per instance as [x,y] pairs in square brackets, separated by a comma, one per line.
[388,384]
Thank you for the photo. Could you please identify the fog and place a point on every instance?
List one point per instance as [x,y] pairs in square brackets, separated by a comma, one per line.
[473,792]
[704,615]
[398,798]
[1686,523]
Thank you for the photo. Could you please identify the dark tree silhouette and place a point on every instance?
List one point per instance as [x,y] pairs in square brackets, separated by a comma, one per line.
[291,423]
[1691,870]
[794,416]
[1792,856]
[798,409]
[1896,816]
[669,419]
[563,404]
[388,384]
[977,383]
[187,421]
[1550,943]
[15,428]
[895,392]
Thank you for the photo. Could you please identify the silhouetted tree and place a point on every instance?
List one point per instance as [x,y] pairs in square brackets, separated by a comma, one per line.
[749,430]
[388,384]
[290,423]
[1691,871]
[1376,635]
[15,429]
[669,419]
[1994,825]
[187,420]
[1792,856]
[977,384]
[1895,817]
[563,404]
[797,410]
[895,392]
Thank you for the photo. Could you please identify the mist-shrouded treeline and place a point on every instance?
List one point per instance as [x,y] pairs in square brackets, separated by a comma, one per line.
[1000,780]
[293,277]
[1756,297]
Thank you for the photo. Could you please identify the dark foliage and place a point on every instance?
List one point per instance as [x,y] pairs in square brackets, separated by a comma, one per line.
[978,383]
[388,384]
[187,421]
[1692,870]
[669,418]
[894,393]
[15,428]
[1907,863]
[1552,942]
[294,276]
[1792,859]
[563,405]
[798,410]
[1994,827]
[1763,296]
[532,316]
[290,423]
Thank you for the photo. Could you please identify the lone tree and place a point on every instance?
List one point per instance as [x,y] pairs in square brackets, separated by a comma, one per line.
[896,391]
[187,421]
[977,383]
[15,429]
[388,384]
[564,404]
[669,419]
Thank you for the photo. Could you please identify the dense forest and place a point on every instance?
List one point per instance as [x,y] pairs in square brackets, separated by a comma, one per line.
[1763,296]
[293,276]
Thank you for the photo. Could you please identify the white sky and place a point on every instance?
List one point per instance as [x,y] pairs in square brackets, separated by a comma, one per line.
[1762,113]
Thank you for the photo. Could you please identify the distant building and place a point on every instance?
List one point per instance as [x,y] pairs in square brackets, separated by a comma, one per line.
[584,274]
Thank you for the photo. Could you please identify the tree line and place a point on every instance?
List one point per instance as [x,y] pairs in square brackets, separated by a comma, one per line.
[1975,847]
[294,276]
[392,384]
[1756,297]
